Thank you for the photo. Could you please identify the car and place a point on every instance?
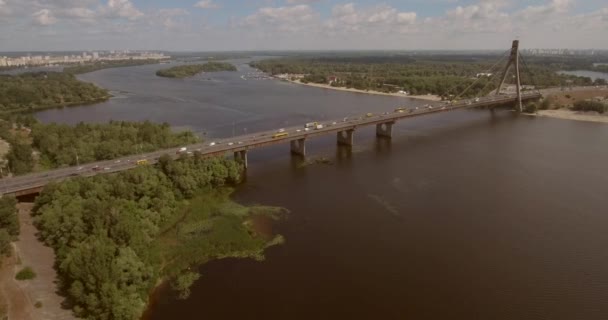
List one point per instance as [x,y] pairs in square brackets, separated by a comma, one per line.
[117,161]
[306,129]
[240,142]
[106,168]
[385,113]
[298,130]
[212,144]
[189,152]
[368,115]
[281,130]
[443,108]
[230,143]
[96,168]
[80,168]
[430,107]
[333,123]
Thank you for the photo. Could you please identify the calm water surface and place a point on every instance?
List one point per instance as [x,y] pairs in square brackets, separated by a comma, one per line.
[467,215]
[585,73]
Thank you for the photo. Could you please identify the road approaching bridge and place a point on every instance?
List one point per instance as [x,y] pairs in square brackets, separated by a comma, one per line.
[240,145]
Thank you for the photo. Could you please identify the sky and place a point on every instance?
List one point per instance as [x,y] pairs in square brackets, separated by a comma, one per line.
[217,25]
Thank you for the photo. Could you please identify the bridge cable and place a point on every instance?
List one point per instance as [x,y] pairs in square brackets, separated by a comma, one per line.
[456,85]
[530,73]
[474,82]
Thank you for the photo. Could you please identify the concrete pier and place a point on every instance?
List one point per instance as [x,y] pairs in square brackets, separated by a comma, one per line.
[241,157]
[298,147]
[385,130]
[345,138]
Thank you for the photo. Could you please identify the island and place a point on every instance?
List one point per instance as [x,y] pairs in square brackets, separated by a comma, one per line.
[194,69]
[424,75]
[43,90]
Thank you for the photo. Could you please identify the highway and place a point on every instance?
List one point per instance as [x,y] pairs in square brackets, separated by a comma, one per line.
[251,141]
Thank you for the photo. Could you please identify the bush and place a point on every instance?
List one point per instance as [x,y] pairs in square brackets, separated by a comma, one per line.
[530,108]
[568,96]
[5,242]
[545,104]
[589,106]
[25,274]
[38,304]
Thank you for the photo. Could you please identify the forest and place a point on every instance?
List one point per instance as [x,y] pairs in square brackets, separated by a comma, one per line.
[60,145]
[99,65]
[35,91]
[116,236]
[443,76]
[193,69]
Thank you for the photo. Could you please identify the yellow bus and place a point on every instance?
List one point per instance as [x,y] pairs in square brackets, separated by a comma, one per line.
[280,135]
[142,162]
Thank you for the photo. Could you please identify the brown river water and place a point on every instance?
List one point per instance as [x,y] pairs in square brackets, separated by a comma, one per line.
[466,215]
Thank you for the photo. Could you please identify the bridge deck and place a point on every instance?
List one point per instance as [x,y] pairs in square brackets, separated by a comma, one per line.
[34,182]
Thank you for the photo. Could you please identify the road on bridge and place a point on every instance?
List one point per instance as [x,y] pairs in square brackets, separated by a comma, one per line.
[220,147]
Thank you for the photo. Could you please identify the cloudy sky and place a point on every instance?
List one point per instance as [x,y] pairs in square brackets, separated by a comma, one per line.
[27,25]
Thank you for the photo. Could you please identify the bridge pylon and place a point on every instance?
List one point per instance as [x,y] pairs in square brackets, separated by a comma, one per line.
[513,61]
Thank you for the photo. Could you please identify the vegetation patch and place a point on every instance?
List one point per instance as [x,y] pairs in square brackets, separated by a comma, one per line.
[42,90]
[25,274]
[193,69]
[60,145]
[585,105]
[116,236]
[9,224]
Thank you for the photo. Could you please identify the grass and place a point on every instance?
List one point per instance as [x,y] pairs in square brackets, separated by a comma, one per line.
[214,227]
[25,274]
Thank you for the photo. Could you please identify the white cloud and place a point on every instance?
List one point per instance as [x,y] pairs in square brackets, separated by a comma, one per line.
[377,19]
[44,17]
[121,9]
[301,1]
[290,19]
[80,13]
[206,4]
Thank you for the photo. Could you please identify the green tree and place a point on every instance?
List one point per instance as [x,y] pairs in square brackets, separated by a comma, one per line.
[9,219]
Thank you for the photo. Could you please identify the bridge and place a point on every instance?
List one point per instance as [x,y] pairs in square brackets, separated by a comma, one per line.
[296,136]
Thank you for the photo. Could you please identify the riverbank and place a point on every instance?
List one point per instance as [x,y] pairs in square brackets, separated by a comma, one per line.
[573,115]
[428,97]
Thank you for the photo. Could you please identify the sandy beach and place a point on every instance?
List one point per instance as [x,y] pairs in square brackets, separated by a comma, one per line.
[573,115]
[326,86]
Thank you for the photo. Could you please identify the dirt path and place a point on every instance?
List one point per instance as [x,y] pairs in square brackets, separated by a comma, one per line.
[16,304]
[22,295]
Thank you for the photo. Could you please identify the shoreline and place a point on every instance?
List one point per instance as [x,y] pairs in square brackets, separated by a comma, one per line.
[326,86]
[571,115]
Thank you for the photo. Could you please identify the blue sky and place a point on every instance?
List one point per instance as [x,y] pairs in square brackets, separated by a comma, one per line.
[300,24]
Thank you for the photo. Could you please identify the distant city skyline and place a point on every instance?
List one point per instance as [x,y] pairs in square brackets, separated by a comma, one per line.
[231,25]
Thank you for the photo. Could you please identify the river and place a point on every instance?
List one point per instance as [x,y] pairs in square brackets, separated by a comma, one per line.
[586,73]
[464,215]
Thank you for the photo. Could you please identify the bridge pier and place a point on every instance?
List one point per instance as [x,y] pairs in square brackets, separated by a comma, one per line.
[298,147]
[241,157]
[385,130]
[345,137]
